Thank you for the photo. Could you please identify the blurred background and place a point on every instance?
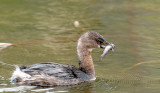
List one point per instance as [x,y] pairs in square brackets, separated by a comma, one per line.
[132,25]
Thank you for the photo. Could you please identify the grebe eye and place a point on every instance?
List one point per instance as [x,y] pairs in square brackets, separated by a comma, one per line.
[100,40]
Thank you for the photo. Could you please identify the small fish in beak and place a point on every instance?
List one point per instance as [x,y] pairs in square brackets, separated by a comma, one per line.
[107,49]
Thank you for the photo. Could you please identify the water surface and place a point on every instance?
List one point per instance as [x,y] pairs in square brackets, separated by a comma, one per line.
[132,25]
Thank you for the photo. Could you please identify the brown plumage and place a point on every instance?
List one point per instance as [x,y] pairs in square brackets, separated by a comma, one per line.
[53,74]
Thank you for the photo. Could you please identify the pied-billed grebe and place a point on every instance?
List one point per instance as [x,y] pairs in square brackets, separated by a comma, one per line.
[52,74]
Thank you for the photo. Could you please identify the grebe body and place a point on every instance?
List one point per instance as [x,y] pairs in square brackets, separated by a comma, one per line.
[53,74]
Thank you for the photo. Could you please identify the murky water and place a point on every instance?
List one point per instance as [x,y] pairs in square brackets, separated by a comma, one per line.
[47,27]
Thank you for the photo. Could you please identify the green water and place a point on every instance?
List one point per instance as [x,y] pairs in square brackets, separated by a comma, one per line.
[132,25]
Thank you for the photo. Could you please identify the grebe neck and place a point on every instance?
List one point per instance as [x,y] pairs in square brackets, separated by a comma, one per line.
[85,60]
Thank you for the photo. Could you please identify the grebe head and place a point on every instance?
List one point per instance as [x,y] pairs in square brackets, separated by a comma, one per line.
[91,40]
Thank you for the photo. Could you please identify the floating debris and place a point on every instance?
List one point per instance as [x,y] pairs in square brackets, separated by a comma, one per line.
[76,23]
[107,49]
[4,45]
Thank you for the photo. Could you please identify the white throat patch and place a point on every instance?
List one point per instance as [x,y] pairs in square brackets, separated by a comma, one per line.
[90,49]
